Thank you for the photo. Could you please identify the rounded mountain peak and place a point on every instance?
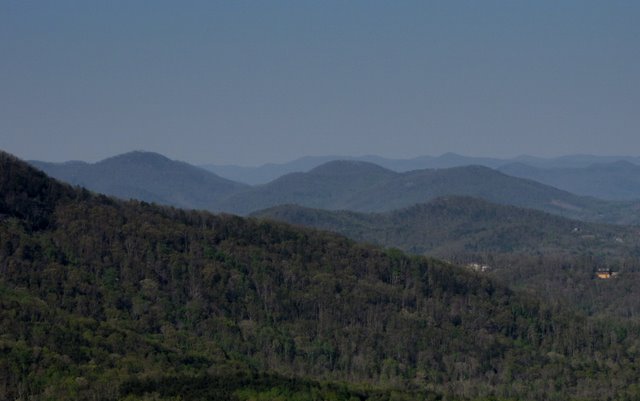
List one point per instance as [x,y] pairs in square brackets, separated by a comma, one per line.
[138,156]
[344,167]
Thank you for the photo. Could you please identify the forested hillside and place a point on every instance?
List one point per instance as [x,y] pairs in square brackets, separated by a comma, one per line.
[554,257]
[104,299]
[455,226]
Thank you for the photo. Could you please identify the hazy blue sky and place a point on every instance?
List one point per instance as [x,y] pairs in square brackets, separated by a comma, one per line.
[254,81]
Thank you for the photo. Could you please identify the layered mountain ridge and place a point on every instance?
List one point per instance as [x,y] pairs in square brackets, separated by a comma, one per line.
[270,171]
[351,185]
[108,299]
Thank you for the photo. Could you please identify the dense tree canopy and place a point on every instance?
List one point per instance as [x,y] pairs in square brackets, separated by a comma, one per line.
[554,257]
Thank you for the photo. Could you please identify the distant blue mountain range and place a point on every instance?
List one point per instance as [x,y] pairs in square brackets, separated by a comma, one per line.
[270,171]
[367,186]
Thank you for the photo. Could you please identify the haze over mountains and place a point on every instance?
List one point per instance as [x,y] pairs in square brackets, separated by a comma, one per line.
[270,171]
[126,300]
[618,180]
[366,187]
[378,267]
[353,185]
